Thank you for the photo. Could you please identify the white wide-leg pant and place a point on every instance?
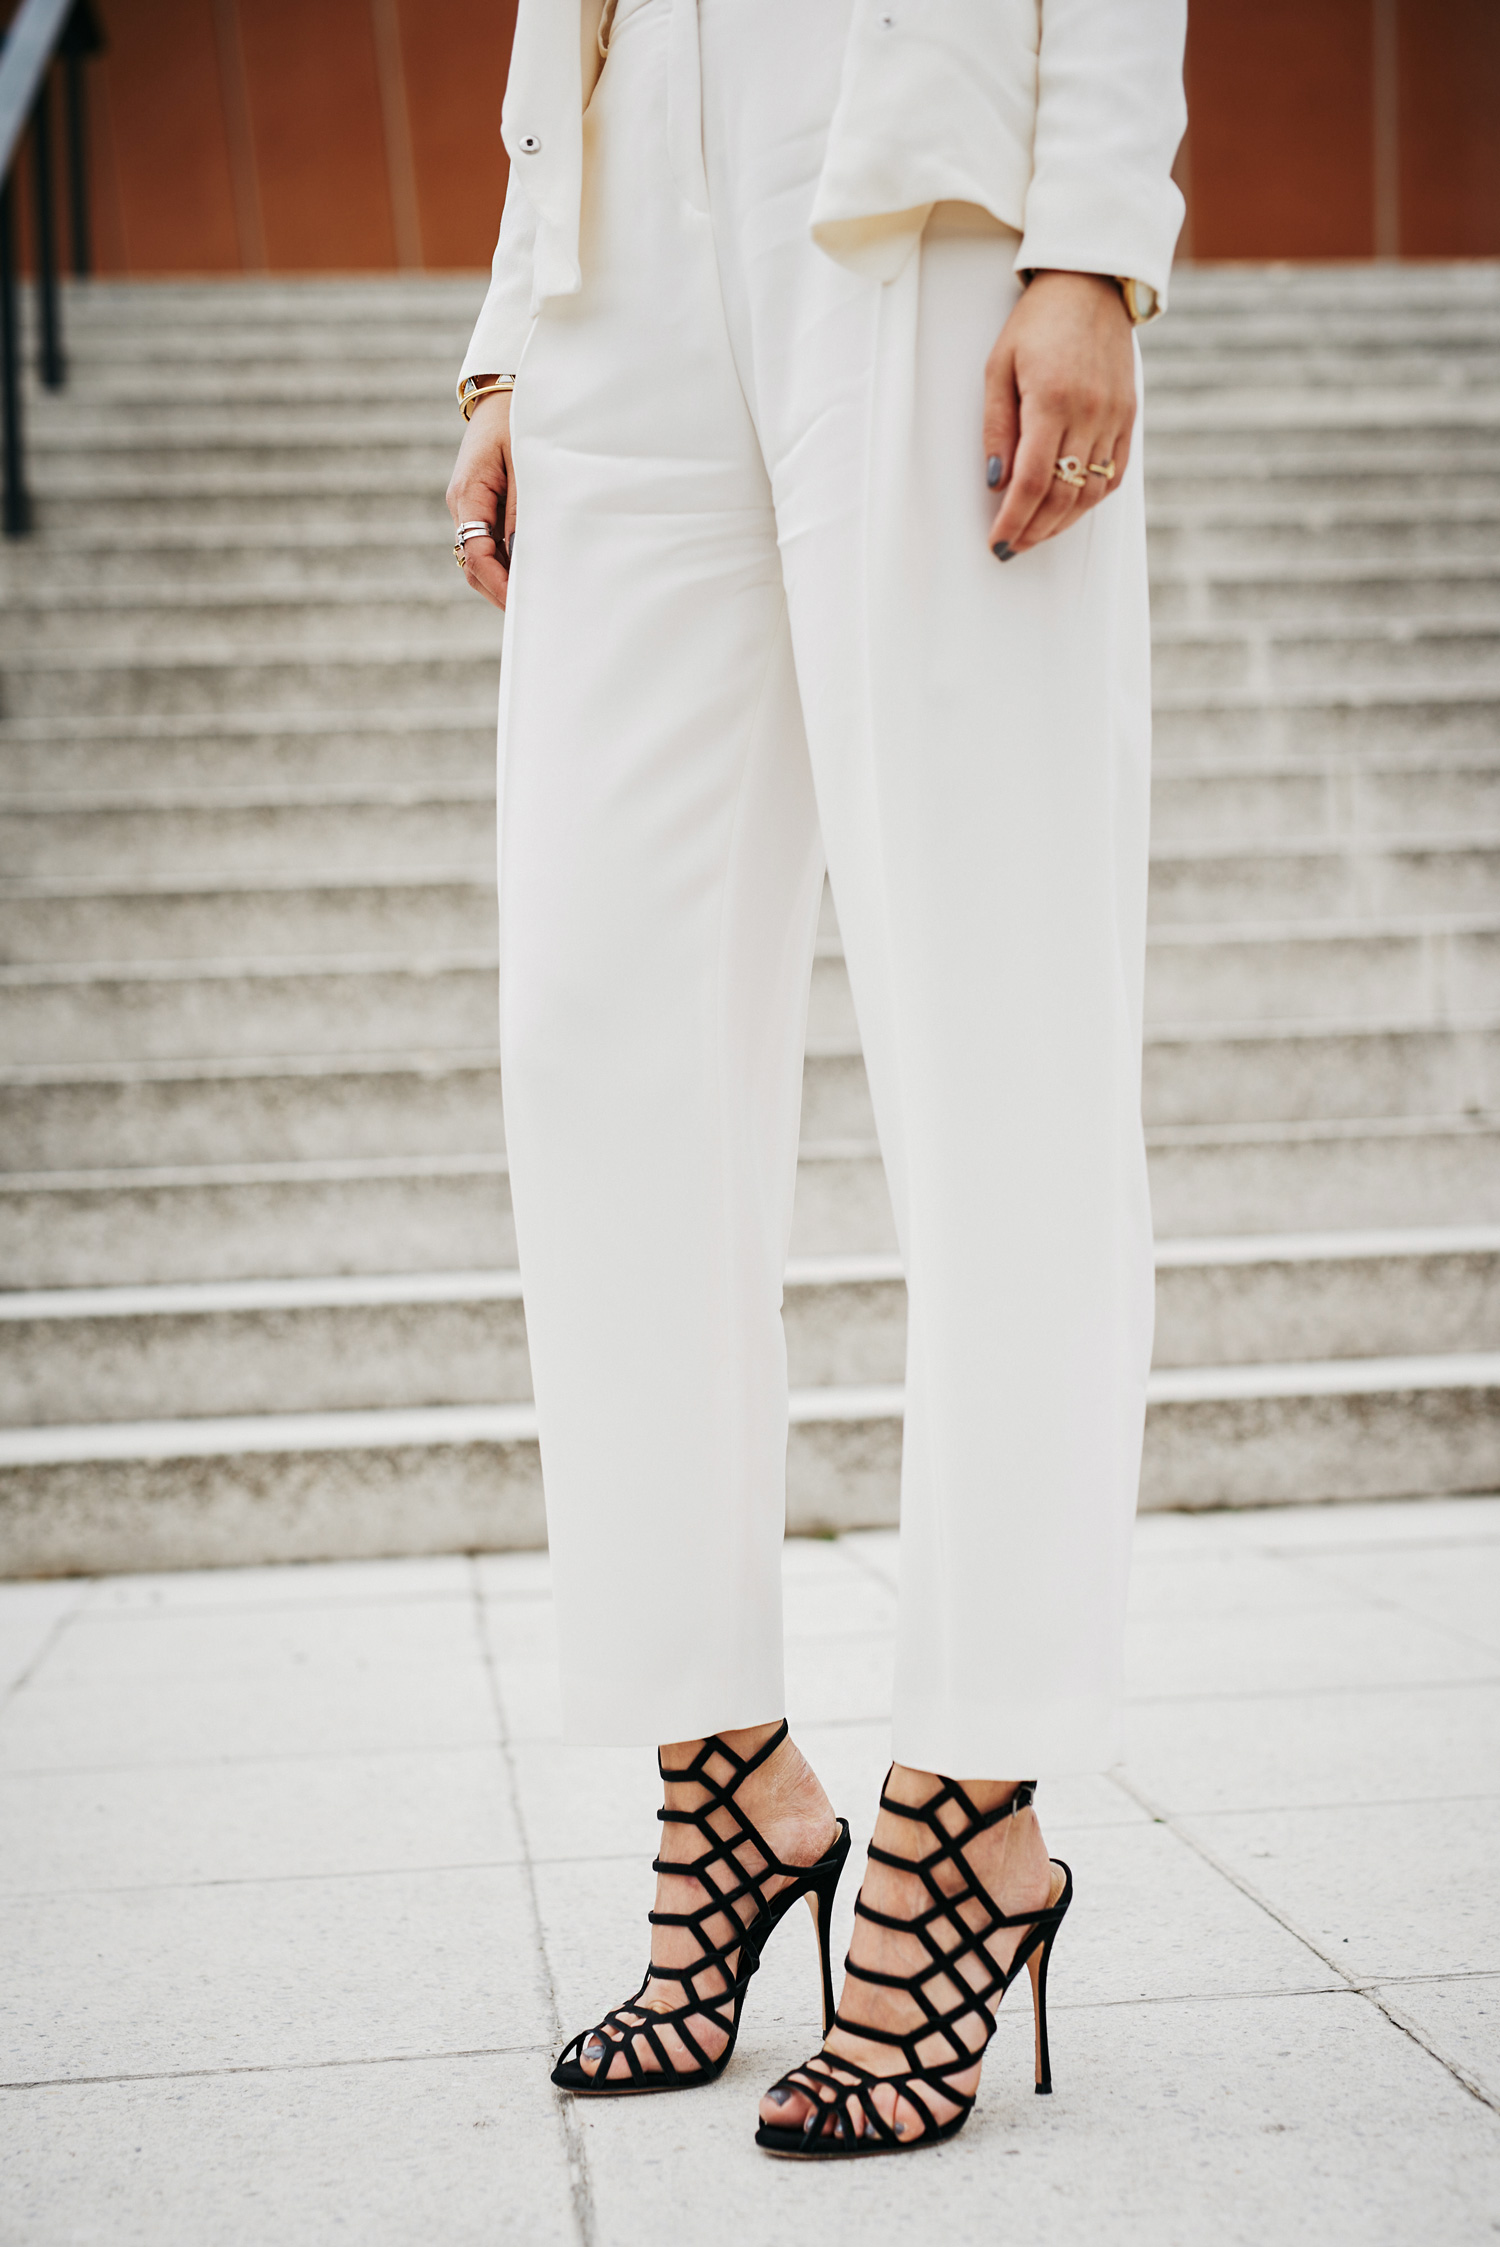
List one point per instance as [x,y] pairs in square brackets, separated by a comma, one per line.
[753,616]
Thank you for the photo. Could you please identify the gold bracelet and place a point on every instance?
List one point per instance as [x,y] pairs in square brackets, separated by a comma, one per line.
[471,393]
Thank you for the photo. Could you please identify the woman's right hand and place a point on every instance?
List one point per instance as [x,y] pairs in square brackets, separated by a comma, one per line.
[482,489]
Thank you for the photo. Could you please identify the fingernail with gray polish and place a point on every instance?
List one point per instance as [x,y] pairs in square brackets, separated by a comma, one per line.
[1003,552]
[994,469]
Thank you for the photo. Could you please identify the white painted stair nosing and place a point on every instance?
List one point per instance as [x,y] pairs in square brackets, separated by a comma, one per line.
[1312,1248]
[362,1291]
[445,1425]
[410,1427]
[1212,1384]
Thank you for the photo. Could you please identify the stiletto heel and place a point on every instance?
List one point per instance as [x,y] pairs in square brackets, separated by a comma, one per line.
[728,1958]
[820,1903]
[1036,1966]
[954,1931]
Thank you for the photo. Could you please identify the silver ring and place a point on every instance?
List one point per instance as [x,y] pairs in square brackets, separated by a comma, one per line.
[472,527]
[477,530]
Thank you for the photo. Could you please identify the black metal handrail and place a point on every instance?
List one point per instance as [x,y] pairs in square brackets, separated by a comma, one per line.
[42,33]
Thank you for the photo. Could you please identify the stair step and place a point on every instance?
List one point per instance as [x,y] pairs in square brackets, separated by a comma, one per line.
[1335,409]
[1360,541]
[294,1009]
[273,1487]
[1199,595]
[228,623]
[1347,1429]
[1277,1072]
[1287,486]
[257,752]
[125,504]
[445,1007]
[1316,881]
[245,750]
[201,1221]
[414,370]
[1356,800]
[1356,971]
[257,918]
[1358,1175]
[1424,571]
[1420,969]
[1198,540]
[369,833]
[1195,878]
[380,1095]
[1350,798]
[419,678]
[246,1220]
[280,565]
[1220,729]
[316,1108]
[1189,663]
[442,1338]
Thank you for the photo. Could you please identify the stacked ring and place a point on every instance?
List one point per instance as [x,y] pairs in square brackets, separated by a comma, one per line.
[466,531]
[1069,470]
[1104,468]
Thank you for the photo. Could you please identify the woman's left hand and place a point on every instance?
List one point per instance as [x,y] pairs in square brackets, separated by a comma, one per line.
[1059,384]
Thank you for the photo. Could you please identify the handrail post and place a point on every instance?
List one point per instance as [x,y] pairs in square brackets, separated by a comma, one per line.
[75,99]
[51,366]
[37,30]
[17,505]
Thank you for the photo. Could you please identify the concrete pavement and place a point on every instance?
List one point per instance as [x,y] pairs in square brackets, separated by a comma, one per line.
[300,1894]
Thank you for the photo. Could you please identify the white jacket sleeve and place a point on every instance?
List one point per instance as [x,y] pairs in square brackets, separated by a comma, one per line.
[1110,114]
[505,317]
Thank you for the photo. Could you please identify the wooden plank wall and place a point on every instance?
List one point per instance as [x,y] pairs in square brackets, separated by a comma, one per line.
[296,136]
[363,135]
[1343,128]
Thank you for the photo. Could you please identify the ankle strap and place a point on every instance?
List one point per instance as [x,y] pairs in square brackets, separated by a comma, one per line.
[742,1765]
[950,1790]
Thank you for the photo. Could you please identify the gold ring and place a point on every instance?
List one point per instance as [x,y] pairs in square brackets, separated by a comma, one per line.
[1104,468]
[458,552]
[1069,470]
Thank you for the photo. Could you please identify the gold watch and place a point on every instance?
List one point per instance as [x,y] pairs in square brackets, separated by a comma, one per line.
[1141,300]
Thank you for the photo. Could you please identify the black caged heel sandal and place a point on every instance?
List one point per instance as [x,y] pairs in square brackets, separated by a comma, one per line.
[730,1951]
[958,1995]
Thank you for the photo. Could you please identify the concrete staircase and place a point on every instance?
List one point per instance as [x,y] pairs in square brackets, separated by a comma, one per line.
[253,1210]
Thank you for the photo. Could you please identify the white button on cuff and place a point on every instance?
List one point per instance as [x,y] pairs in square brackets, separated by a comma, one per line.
[529,144]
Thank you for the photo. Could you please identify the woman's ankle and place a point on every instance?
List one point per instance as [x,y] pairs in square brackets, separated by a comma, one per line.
[679,1755]
[783,1796]
[907,1784]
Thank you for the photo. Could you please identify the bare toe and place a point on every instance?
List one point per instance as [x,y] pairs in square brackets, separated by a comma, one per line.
[784,2108]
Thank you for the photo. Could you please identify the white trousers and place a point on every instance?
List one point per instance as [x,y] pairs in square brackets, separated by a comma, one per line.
[753,616]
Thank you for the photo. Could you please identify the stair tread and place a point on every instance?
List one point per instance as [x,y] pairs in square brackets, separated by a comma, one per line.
[418,1425]
[1465,1124]
[365,1290]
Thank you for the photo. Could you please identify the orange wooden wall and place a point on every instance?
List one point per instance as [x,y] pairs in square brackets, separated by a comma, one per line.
[364,135]
[1343,128]
[291,136]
